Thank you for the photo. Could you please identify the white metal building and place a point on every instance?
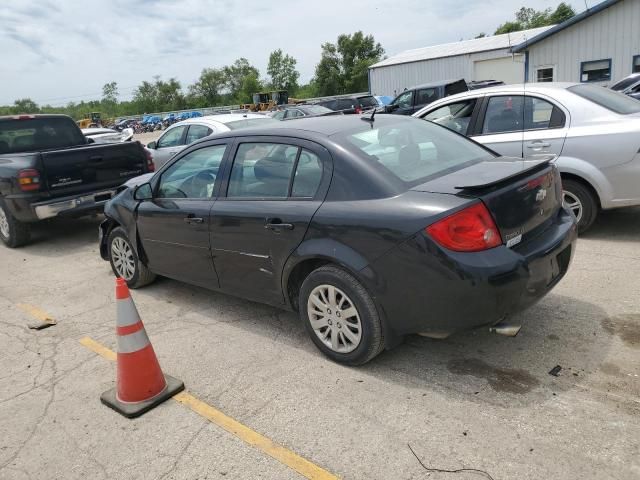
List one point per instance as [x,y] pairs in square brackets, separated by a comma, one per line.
[488,58]
[601,45]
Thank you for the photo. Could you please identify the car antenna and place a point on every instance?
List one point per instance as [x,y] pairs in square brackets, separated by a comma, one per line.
[371,118]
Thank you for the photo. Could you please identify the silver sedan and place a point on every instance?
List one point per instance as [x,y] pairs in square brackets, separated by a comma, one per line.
[594,131]
[181,134]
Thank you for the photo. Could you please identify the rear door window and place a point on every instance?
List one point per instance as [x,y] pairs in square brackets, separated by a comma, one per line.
[504,114]
[345,104]
[425,96]
[172,138]
[196,132]
[540,114]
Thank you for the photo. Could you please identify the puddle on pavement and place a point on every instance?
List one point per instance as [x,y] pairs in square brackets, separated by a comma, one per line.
[627,327]
[500,379]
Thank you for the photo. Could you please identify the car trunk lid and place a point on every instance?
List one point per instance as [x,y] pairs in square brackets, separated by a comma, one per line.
[521,195]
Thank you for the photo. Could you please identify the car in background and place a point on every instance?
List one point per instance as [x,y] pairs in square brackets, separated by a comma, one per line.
[370,229]
[594,131]
[181,134]
[108,135]
[350,105]
[478,84]
[288,112]
[629,86]
[413,99]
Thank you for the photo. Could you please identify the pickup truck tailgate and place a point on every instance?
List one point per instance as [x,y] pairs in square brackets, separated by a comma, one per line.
[84,169]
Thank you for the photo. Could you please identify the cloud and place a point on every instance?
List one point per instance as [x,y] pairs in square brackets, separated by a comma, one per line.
[63,50]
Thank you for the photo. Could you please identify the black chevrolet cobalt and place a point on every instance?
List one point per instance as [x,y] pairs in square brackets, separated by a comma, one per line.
[370,228]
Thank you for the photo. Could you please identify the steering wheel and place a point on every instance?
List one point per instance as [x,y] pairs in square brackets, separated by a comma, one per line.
[197,185]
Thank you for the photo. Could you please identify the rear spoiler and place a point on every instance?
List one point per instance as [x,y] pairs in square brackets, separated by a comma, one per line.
[490,178]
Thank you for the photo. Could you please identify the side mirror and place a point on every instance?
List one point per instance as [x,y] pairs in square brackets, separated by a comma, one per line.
[143,192]
[90,140]
[151,145]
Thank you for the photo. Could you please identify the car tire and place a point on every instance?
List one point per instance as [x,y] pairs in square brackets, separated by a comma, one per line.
[125,262]
[349,297]
[579,198]
[13,233]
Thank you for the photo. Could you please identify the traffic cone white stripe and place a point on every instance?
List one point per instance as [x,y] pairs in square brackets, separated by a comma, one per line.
[133,342]
[127,313]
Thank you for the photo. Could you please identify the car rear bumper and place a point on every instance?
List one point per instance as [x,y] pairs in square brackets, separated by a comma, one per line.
[423,288]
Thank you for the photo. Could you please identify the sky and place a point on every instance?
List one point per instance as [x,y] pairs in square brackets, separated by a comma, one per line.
[55,52]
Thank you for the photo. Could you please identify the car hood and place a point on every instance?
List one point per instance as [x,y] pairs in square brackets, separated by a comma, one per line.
[483,174]
[135,181]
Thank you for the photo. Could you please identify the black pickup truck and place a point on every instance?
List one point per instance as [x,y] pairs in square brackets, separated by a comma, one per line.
[48,168]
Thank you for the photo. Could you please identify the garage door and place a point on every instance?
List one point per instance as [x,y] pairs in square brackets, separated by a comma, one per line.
[508,69]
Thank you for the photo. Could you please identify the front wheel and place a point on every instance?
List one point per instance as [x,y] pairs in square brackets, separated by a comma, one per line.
[340,316]
[125,262]
[12,232]
[582,203]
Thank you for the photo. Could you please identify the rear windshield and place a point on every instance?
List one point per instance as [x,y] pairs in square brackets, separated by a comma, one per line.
[414,151]
[614,101]
[316,109]
[35,134]
[626,82]
[368,102]
[250,122]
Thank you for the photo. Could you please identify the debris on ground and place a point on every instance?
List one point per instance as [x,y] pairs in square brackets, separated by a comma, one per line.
[555,370]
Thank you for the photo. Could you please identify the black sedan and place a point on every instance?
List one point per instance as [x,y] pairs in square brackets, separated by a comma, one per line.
[371,229]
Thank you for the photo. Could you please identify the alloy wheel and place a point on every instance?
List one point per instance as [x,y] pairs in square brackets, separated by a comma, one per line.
[334,318]
[573,203]
[123,259]
[4,223]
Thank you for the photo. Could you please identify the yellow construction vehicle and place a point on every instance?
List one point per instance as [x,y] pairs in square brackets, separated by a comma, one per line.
[265,101]
[91,120]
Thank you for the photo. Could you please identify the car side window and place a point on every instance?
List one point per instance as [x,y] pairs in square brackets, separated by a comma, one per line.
[192,176]
[540,114]
[196,132]
[454,116]
[405,100]
[262,170]
[171,138]
[504,114]
[425,96]
[308,175]
[279,115]
[345,104]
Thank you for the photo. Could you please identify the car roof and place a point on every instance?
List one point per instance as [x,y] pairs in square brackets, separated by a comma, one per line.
[219,119]
[324,126]
[436,84]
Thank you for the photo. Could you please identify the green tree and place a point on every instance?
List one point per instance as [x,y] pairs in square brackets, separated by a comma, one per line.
[208,90]
[282,71]
[528,17]
[25,105]
[250,85]
[344,66]
[159,96]
[110,92]
[235,75]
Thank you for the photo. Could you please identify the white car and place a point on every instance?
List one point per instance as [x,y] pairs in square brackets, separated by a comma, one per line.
[594,131]
[107,135]
[181,134]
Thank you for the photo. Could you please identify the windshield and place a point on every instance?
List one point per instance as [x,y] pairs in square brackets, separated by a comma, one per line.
[34,134]
[316,109]
[614,101]
[249,122]
[414,151]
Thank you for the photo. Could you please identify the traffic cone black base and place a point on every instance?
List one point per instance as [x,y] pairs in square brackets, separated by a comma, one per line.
[133,410]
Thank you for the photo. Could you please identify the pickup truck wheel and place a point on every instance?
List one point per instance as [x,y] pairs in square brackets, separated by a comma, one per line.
[125,262]
[12,232]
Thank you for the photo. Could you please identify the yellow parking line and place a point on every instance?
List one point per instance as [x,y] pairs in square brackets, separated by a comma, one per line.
[36,313]
[292,460]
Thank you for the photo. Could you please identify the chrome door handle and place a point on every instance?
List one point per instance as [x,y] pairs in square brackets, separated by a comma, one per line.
[276,224]
[538,145]
[191,220]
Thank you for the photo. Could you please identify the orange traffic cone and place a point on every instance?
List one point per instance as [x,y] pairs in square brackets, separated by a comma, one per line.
[140,383]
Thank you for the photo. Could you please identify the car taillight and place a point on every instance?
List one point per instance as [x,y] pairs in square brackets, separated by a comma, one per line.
[29,180]
[358,109]
[151,167]
[469,230]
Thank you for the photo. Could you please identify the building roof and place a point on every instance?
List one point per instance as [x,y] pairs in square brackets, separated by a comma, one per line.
[494,42]
[527,42]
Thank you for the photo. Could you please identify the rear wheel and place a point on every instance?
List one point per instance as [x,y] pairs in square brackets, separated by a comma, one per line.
[578,198]
[340,316]
[12,232]
[125,262]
